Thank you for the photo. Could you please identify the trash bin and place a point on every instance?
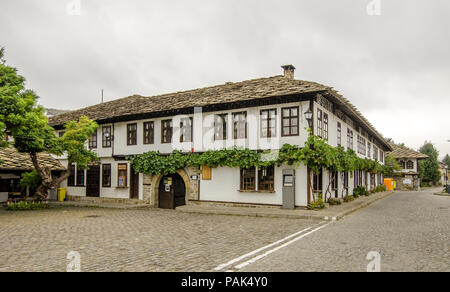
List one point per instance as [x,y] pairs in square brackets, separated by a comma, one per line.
[61,194]
[388,182]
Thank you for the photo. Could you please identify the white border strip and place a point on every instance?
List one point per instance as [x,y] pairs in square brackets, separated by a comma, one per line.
[221,267]
[279,247]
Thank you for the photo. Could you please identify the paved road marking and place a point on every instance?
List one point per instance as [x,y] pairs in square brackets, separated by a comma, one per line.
[240,266]
[233,261]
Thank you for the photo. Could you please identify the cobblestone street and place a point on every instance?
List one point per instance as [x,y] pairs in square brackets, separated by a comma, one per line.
[410,230]
[132,240]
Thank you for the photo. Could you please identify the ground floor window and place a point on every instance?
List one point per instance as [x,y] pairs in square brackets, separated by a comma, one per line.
[106,175]
[380,179]
[317,182]
[122,175]
[248,179]
[346,180]
[266,179]
[10,185]
[71,178]
[80,177]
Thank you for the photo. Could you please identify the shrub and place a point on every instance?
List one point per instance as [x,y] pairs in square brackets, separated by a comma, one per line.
[348,198]
[317,204]
[333,201]
[360,191]
[26,206]
[380,188]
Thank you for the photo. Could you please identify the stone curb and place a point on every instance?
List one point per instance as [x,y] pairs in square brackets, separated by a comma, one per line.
[441,194]
[318,217]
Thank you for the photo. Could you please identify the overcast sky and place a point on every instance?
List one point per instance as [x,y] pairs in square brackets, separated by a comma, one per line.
[395,67]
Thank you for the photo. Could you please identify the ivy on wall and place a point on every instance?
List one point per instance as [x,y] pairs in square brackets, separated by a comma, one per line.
[316,154]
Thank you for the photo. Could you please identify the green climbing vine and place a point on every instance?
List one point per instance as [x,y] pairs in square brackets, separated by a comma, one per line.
[316,154]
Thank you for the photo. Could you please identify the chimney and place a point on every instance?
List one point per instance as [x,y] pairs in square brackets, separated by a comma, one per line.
[288,71]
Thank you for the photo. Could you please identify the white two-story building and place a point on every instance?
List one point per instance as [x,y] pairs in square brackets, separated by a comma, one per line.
[258,114]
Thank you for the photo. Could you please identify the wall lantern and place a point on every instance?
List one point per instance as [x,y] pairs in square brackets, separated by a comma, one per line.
[308,117]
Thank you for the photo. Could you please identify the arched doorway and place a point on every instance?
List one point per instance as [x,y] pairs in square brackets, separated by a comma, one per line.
[171,192]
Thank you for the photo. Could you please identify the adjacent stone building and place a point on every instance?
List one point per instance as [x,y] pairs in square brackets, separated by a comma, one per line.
[408,159]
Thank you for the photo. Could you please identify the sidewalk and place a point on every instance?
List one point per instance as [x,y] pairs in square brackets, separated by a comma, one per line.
[331,213]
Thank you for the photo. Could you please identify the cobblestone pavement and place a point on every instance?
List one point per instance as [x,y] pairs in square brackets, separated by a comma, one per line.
[410,230]
[132,240]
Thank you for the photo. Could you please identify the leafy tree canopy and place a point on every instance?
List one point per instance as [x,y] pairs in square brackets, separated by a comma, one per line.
[429,167]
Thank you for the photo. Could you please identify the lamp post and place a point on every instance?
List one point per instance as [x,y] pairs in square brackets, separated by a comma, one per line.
[308,117]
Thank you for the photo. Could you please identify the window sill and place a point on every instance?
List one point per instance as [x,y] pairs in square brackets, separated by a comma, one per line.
[121,187]
[258,191]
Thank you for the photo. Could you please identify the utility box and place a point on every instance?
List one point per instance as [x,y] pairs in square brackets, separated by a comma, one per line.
[288,189]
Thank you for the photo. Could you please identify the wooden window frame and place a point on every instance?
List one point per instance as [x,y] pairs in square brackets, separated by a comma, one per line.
[319,123]
[106,140]
[149,132]
[183,130]
[77,182]
[339,134]
[220,127]
[317,183]
[325,126]
[236,125]
[132,134]
[349,139]
[106,183]
[291,118]
[409,164]
[266,183]
[243,177]
[71,179]
[126,175]
[168,129]
[267,132]
[93,140]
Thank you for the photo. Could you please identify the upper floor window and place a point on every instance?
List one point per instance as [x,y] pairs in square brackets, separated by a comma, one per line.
[93,140]
[166,131]
[349,139]
[369,149]
[375,153]
[410,164]
[339,134]
[325,126]
[361,145]
[268,123]
[106,136]
[220,127]
[186,130]
[381,156]
[289,121]
[132,134]
[319,123]
[149,132]
[240,125]
[403,164]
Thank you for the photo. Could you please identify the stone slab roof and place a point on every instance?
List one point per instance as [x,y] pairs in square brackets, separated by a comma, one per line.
[228,93]
[401,152]
[10,159]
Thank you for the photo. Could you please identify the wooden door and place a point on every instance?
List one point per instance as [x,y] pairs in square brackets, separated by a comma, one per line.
[134,184]
[166,196]
[93,181]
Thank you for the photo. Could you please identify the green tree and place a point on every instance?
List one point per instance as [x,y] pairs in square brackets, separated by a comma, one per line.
[24,120]
[446,160]
[390,166]
[429,167]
